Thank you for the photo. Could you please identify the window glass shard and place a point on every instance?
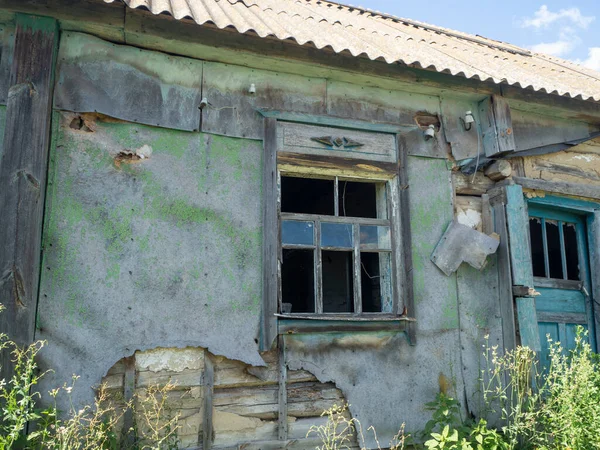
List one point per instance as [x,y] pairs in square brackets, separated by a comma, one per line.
[337,235]
[374,237]
[294,232]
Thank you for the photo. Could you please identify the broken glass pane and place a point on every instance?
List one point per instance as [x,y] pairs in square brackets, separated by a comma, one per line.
[338,282]
[537,247]
[297,233]
[336,235]
[297,279]
[571,254]
[357,199]
[374,237]
[554,249]
[307,196]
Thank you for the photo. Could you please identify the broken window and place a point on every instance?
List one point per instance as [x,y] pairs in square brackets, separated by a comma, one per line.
[554,249]
[336,240]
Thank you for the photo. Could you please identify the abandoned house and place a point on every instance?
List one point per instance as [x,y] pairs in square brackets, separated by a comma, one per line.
[281,205]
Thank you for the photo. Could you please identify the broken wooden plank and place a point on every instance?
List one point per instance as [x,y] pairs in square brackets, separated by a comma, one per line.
[23,172]
[560,187]
[462,244]
[477,184]
[496,126]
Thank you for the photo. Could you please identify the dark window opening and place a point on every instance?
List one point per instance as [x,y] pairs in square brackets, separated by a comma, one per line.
[571,254]
[370,282]
[338,284]
[357,199]
[554,249]
[297,276]
[537,247]
[307,196]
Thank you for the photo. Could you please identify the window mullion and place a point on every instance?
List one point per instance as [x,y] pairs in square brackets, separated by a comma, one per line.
[563,251]
[318,270]
[336,196]
[545,241]
[357,269]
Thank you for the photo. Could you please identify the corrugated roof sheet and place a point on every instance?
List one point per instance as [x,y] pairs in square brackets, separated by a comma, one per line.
[380,36]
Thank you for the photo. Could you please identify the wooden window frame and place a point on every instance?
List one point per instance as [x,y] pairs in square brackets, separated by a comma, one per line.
[395,176]
[389,198]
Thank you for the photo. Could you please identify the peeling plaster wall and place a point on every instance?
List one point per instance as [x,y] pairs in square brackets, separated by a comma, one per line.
[163,251]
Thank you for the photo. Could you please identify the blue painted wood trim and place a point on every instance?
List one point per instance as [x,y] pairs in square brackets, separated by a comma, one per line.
[528,324]
[518,229]
[575,206]
[333,121]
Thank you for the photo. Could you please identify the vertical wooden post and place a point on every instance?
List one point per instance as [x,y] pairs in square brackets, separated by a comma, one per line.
[593,224]
[270,236]
[283,406]
[209,386]
[520,258]
[505,293]
[406,272]
[23,170]
[128,392]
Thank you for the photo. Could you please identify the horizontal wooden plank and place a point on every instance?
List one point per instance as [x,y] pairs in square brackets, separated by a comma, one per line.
[291,326]
[558,187]
[554,317]
[327,165]
[335,142]
[557,284]
[477,184]
[554,300]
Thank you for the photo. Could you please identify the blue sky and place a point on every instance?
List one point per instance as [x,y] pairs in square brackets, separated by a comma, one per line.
[570,30]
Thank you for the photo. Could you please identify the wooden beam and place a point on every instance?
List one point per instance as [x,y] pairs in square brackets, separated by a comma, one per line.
[408,296]
[282,416]
[505,293]
[23,171]
[593,224]
[270,236]
[477,184]
[560,187]
[209,382]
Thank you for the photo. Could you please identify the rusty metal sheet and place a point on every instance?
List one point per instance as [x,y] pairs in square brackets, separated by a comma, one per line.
[461,243]
[232,107]
[128,83]
[360,31]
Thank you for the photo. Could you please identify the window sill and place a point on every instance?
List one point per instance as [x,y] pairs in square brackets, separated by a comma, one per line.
[334,323]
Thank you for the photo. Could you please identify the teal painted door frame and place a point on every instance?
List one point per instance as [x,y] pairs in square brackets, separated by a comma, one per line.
[563,304]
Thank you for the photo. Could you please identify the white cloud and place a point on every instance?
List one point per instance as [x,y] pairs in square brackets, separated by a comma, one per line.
[543,17]
[593,60]
[564,45]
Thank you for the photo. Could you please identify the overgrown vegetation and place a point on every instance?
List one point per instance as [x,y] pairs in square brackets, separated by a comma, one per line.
[23,425]
[521,407]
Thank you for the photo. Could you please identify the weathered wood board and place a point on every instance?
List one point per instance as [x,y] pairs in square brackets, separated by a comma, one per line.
[23,172]
[7,46]
[465,143]
[128,83]
[536,130]
[232,107]
[335,142]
